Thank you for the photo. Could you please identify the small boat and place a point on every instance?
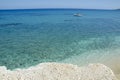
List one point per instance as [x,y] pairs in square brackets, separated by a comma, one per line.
[78,15]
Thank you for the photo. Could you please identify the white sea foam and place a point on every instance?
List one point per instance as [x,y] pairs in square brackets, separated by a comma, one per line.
[59,71]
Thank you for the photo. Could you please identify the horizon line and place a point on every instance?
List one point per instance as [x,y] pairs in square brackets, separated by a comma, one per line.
[57,8]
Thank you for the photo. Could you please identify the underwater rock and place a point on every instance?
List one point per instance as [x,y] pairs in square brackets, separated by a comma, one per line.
[59,71]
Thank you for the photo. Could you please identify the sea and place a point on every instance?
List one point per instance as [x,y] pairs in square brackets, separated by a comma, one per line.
[32,36]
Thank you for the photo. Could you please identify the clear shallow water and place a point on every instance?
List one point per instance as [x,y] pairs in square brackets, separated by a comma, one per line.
[29,37]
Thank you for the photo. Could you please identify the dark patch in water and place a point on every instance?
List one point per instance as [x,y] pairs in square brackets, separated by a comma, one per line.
[35,60]
[10,24]
[20,64]
[1,18]
[67,20]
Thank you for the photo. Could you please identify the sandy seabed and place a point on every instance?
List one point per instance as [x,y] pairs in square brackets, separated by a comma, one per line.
[114,64]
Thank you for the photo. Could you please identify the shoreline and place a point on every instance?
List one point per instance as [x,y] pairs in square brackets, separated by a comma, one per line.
[59,71]
[111,62]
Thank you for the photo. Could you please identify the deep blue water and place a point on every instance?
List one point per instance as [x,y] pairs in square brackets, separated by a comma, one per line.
[29,37]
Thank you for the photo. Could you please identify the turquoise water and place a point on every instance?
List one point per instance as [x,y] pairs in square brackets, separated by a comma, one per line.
[30,37]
